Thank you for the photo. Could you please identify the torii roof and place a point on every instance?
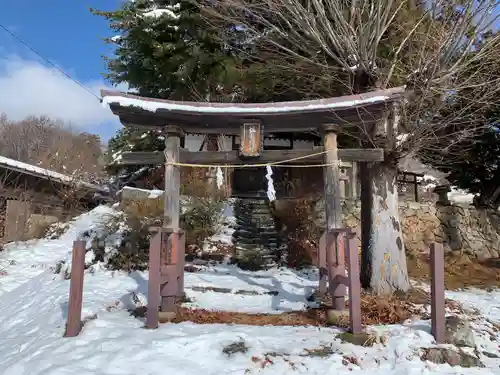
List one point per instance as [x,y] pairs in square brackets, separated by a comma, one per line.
[210,117]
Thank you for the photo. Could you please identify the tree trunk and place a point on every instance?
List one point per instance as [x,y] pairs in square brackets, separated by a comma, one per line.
[383,258]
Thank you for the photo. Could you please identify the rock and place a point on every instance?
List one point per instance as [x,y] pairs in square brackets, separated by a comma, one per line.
[414,205]
[139,312]
[459,332]
[315,297]
[166,316]
[134,300]
[451,357]
[494,253]
[335,317]
[482,255]
[360,339]
[234,348]
[491,355]
[191,268]
[410,212]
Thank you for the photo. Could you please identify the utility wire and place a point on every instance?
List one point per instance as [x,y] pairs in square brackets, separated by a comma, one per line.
[48,61]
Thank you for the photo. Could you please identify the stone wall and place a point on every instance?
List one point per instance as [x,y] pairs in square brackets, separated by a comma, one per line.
[459,228]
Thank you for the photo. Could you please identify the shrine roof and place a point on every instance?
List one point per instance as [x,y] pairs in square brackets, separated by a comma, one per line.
[275,117]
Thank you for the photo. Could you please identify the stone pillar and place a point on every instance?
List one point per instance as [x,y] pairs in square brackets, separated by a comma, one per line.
[442,193]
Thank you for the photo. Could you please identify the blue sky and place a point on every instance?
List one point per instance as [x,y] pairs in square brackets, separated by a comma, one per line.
[66,33]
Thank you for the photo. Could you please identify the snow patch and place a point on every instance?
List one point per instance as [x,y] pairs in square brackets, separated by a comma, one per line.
[460,196]
[402,138]
[154,106]
[224,235]
[22,261]
[113,342]
[157,13]
[428,182]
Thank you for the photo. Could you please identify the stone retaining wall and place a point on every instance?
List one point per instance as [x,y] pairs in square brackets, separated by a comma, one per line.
[459,228]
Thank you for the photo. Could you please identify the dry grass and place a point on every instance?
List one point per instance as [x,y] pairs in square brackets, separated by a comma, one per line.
[388,310]
[461,271]
[299,223]
[374,310]
[314,317]
[151,209]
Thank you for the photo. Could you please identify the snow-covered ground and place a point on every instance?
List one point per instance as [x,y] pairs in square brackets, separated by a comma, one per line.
[33,309]
[21,261]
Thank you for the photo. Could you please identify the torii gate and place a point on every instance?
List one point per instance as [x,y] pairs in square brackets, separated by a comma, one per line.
[250,122]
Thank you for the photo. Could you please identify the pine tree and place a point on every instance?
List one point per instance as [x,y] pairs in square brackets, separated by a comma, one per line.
[479,170]
[164,49]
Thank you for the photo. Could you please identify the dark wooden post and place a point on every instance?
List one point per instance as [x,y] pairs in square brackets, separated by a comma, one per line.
[437,293]
[74,324]
[354,283]
[334,255]
[172,194]
[352,174]
[415,187]
[155,244]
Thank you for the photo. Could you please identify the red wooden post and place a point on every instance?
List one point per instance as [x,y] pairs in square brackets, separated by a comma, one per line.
[336,268]
[74,324]
[169,272]
[181,260]
[155,244]
[323,272]
[171,213]
[437,293]
[354,284]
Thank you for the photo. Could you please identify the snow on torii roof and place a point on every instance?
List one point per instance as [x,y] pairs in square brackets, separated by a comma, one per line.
[275,117]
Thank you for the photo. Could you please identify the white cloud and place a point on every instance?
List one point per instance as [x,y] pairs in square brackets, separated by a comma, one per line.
[29,88]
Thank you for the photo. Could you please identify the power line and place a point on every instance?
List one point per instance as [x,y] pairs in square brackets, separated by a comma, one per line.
[48,61]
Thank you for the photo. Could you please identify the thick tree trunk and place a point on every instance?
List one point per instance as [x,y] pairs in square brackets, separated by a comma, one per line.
[383,259]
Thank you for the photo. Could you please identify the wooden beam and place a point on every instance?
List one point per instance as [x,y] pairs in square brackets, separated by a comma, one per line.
[269,156]
[142,158]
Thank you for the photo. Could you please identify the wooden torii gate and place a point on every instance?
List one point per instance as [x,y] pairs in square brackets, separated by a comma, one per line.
[250,122]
